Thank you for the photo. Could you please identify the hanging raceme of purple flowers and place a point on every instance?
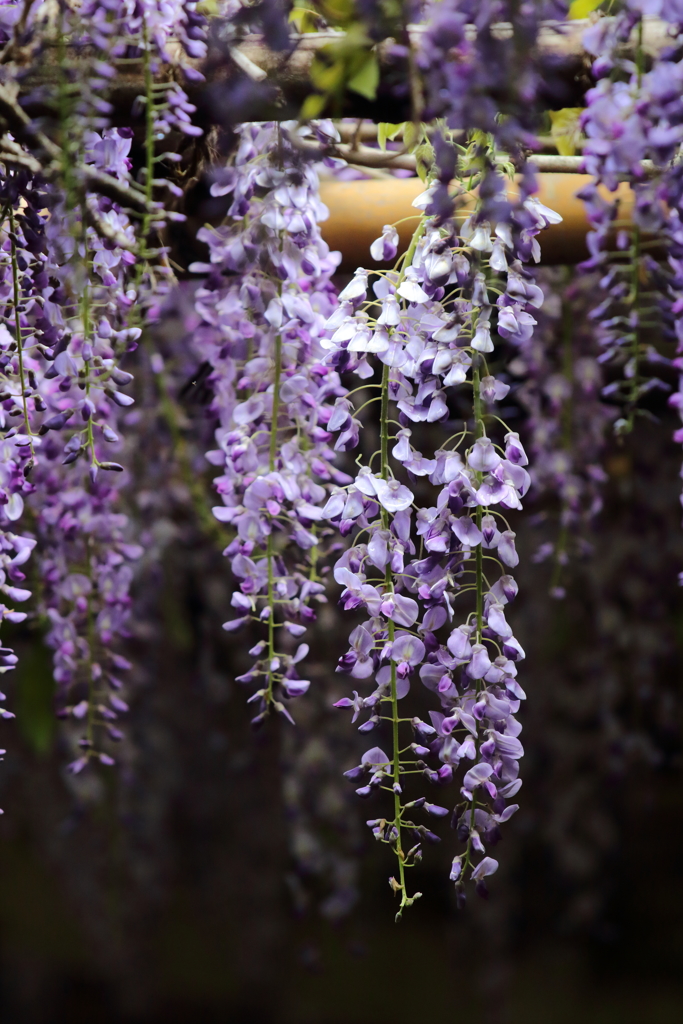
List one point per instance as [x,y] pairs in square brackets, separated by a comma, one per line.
[429,323]
[70,332]
[423,529]
[264,306]
[632,124]
[18,383]
[566,419]
[437,310]
[72,282]
[628,123]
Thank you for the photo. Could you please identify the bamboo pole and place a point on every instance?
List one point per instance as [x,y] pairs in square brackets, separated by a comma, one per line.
[359,210]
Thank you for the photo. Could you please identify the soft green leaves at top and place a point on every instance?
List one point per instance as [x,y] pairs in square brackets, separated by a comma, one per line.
[386,131]
[304,19]
[507,168]
[424,159]
[350,62]
[582,8]
[565,129]
[480,149]
[366,79]
[328,77]
[414,139]
[313,106]
[337,12]
[413,135]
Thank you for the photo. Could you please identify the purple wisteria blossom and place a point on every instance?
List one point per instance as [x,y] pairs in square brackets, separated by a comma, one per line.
[567,419]
[631,118]
[75,272]
[263,307]
[19,283]
[62,387]
[411,562]
[163,32]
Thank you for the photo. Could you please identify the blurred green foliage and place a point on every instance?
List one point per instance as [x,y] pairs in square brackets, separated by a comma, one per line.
[34,696]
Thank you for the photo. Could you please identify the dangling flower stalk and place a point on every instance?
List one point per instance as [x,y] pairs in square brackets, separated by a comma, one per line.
[433,331]
[629,118]
[18,336]
[260,334]
[566,420]
[398,825]
[18,386]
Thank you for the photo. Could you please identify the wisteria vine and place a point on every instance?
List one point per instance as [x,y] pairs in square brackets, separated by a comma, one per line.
[369,431]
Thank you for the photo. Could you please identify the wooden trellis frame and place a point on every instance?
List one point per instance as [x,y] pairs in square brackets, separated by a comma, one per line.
[359,209]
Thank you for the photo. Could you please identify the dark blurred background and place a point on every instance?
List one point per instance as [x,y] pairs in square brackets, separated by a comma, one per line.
[219,875]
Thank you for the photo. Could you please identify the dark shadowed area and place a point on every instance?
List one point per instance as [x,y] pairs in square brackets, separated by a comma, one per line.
[203,884]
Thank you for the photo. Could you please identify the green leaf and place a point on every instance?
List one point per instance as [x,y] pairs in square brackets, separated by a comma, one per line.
[337,12]
[313,106]
[424,158]
[387,130]
[565,129]
[35,690]
[412,135]
[582,8]
[327,77]
[303,20]
[366,79]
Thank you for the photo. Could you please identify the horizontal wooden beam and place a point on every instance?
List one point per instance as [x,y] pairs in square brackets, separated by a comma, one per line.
[360,209]
[281,80]
[559,40]
[288,72]
[365,156]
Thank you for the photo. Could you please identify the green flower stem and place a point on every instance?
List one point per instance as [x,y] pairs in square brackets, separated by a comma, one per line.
[395,719]
[388,587]
[635,255]
[567,428]
[479,431]
[270,553]
[86,322]
[276,402]
[271,619]
[17,323]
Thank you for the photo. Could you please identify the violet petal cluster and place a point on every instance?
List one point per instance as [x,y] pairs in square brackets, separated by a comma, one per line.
[432,324]
[566,418]
[263,307]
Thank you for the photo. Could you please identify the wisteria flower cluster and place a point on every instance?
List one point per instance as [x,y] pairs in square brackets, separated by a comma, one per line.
[431,324]
[73,275]
[633,129]
[369,431]
[567,420]
[263,307]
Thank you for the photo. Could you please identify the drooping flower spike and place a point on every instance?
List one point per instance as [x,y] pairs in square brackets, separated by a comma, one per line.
[73,280]
[431,324]
[567,420]
[263,308]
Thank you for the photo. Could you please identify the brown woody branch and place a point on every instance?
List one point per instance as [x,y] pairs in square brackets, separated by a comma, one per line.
[25,131]
[287,73]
